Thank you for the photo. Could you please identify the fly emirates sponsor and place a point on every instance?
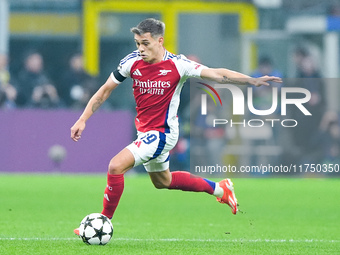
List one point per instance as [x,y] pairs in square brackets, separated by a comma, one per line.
[151,87]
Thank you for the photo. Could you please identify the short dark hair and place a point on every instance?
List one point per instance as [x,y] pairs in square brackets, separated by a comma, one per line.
[150,25]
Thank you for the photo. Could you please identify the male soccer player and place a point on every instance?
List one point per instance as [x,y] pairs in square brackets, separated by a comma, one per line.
[158,77]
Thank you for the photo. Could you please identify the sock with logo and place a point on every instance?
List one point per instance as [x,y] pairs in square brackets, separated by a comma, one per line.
[113,192]
[188,182]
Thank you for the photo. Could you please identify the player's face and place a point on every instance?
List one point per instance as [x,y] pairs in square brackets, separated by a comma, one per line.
[151,49]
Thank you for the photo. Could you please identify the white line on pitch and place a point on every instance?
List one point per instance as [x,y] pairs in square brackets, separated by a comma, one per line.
[178,240]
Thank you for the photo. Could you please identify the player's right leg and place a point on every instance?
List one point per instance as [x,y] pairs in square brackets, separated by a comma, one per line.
[119,164]
[145,147]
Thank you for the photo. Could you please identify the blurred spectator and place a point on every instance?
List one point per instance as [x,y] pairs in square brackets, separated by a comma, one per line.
[8,92]
[308,126]
[334,10]
[207,143]
[266,67]
[35,89]
[330,137]
[77,85]
[312,81]
[263,98]
[308,68]
[299,55]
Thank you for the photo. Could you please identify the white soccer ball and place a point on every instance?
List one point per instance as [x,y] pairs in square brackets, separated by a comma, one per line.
[96,228]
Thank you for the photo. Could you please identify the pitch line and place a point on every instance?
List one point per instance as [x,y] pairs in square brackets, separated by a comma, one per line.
[178,240]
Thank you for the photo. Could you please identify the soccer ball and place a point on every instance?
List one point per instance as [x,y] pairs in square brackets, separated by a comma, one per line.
[96,228]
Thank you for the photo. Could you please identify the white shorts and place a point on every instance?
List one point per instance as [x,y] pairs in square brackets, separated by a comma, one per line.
[152,150]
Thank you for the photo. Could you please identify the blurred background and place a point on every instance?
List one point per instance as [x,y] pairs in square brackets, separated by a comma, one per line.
[54,54]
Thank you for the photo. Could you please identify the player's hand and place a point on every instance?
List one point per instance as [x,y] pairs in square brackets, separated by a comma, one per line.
[264,80]
[77,130]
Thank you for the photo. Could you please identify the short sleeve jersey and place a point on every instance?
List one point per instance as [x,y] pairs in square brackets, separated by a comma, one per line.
[156,88]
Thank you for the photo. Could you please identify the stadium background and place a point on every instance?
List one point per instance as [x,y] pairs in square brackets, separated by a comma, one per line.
[43,197]
[222,33]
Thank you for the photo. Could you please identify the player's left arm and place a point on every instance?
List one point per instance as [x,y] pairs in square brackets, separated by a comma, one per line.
[223,75]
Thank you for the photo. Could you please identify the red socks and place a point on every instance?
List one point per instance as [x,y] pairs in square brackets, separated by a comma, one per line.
[180,180]
[113,192]
[189,182]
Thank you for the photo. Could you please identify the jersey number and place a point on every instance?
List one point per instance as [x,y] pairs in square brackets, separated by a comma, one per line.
[149,138]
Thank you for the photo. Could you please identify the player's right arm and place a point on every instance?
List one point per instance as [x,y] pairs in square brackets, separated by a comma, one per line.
[116,77]
[92,106]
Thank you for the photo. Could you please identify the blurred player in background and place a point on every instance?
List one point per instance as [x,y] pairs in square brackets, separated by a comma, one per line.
[158,77]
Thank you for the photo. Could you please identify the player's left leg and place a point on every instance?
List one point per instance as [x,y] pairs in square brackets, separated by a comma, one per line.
[182,181]
[179,180]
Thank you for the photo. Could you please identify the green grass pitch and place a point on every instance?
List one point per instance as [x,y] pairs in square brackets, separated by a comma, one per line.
[281,216]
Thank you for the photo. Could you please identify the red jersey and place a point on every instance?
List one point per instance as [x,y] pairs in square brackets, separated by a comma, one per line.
[157,88]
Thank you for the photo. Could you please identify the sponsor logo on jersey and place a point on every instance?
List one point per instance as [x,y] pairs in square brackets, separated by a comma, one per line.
[152,87]
[164,72]
[137,73]
[152,84]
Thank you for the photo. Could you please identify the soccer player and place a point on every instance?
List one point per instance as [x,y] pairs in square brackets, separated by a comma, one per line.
[158,78]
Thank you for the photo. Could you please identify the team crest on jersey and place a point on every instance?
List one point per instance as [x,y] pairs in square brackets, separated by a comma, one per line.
[164,72]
